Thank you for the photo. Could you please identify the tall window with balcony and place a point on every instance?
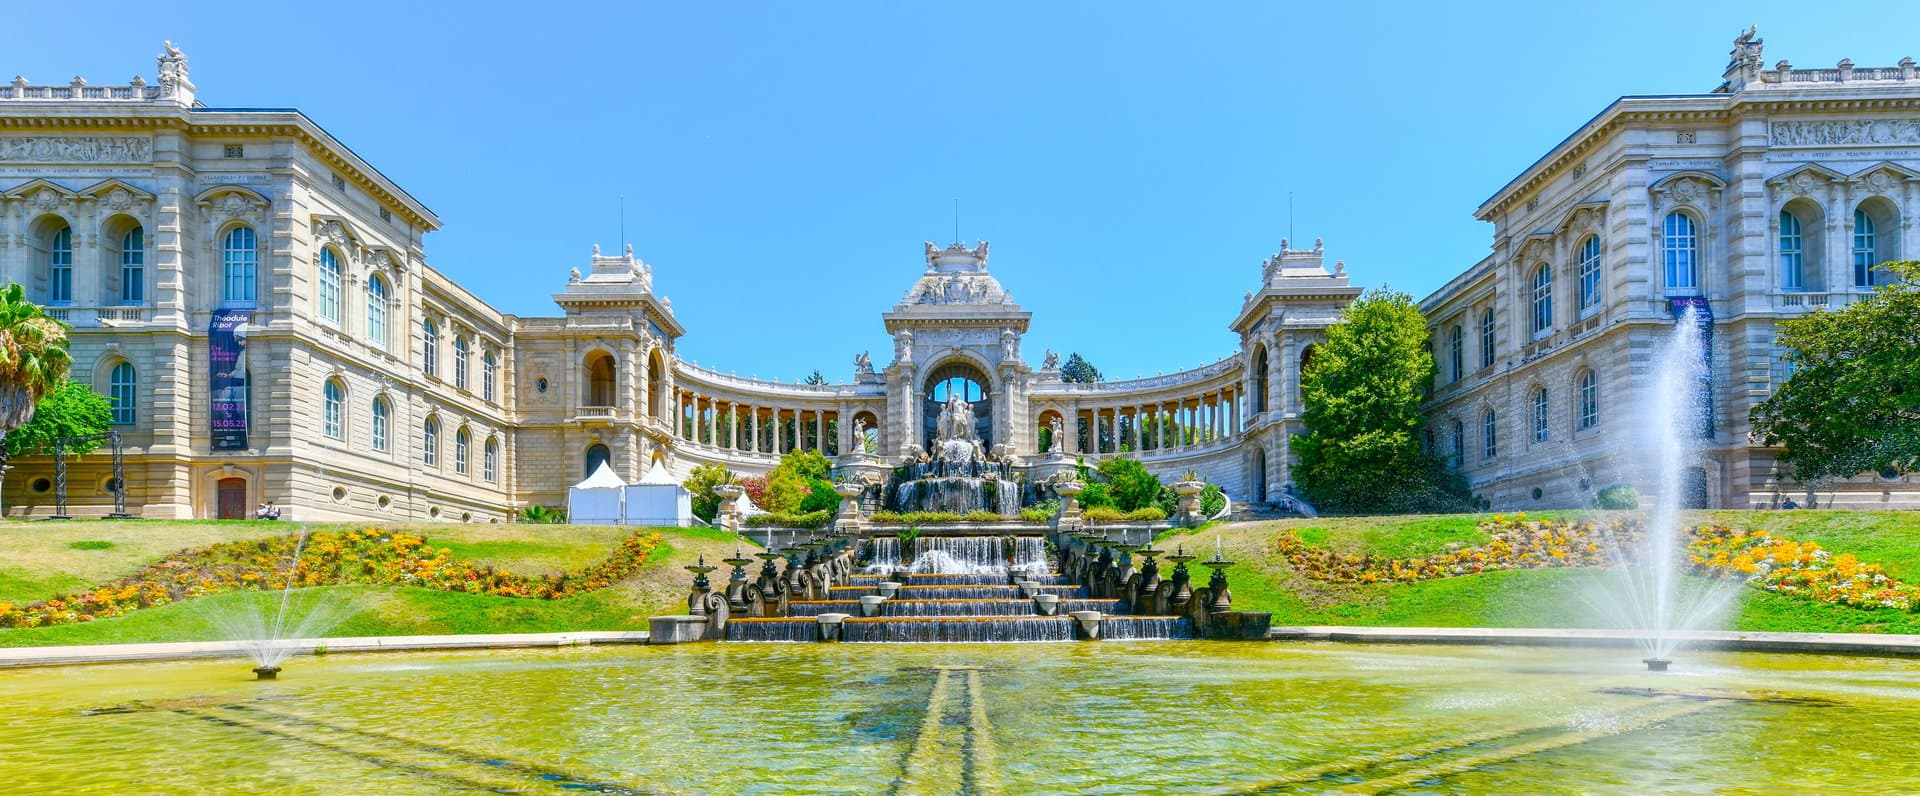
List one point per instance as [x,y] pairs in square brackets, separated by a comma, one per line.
[1876,237]
[1457,352]
[429,347]
[460,361]
[133,266]
[122,391]
[377,311]
[1589,274]
[329,298]
[1486,338]
[1542,428]
[1542,299]
[1793,253]
[239,267]
[1589,384]
[60,267]
[1680,254]
[600,380]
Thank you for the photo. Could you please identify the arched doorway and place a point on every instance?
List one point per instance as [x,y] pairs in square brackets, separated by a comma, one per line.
[600,390]
[230,499]
[1257,467]
[597,454]
[1258,384]
[965,382]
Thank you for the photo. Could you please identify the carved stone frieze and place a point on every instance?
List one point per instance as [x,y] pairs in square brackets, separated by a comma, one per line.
[75,149]
[1846,132]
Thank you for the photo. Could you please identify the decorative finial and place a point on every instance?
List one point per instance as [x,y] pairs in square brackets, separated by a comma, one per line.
[596,250]
[629,251]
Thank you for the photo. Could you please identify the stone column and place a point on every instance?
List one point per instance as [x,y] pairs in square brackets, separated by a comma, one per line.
[820,430]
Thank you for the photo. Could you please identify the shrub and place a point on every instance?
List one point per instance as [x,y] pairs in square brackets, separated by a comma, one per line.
[1212,500]
[1620,497]
[701,483]
[1147,514]
[756,487]
[1096,496]
[782,519]
[821,498]
[1042,511]
[798,482]
[982,515]
[1106,514]
[543,514]
[933,517]
[1129,483]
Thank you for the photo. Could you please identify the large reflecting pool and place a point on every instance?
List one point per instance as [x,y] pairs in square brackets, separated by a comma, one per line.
[1150,717]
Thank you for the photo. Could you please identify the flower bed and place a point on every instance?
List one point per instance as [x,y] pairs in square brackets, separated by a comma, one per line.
[378,557]
[1802,569]
[1764,561]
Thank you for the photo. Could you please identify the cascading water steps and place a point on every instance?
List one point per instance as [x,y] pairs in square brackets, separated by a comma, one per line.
[955,589]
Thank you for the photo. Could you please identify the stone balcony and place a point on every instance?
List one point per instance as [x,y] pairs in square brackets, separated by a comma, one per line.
[99,316]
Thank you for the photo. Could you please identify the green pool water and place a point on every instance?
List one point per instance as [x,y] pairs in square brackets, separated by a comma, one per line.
[1151,717]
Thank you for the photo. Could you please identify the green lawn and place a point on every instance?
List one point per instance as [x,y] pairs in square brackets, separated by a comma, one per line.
[1262,581]
[660,588]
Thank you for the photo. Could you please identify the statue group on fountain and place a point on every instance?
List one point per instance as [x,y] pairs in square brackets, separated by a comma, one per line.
[953,433]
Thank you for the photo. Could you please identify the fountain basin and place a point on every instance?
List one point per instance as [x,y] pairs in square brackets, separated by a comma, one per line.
[871,604]
[677,629]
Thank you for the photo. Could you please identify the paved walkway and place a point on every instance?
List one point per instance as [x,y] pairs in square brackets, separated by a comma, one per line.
[112,653]
[1831,643]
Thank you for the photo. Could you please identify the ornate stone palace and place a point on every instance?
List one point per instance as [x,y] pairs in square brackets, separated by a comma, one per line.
[255,299]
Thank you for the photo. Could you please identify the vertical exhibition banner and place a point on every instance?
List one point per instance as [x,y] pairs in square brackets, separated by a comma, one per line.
[1703,316]
[227,354]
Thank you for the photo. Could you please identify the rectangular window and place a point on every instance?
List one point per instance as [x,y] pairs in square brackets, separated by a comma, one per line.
[133,267]
[1486,338]
[234,152]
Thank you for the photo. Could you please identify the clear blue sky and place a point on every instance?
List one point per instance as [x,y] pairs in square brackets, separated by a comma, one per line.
[782,163]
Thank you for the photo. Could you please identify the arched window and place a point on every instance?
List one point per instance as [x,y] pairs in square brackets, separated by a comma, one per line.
[1680,253]
[377,311]
[430,443]
[657,388]
[60,267]
[1457,450]
[462,453]
[1489,435]
[1541,429]
[133,266]
[1457,351]
[333,421]
[240,263]
[430,347]
[460,361]
[1866,248]
[1590,272]
[122,389]
[329,286]
[490,460]
[1542,299]
[1589,399]
[1793,257]
[1486,338]
[487,370]
[381,415]
[597,454]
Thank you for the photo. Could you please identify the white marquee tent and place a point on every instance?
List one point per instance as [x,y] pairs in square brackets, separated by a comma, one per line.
[596,501]
[658,500]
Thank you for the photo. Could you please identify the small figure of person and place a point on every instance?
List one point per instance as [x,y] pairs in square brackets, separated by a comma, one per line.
[1789,504]
[270,511]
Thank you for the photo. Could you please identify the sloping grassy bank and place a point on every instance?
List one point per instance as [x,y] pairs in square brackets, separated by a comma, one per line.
[658,587]
[1264,581]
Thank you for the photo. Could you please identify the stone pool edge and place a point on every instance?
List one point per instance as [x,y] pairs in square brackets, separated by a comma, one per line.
[1885,645]
[21,657]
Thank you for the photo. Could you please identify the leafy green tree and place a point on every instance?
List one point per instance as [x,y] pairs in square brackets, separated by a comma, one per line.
[700,482]
[815,378]
[796,481]
[1360,397]
[1853,403]
[1128,481]
[70,410]
[1079,371]
[33,359]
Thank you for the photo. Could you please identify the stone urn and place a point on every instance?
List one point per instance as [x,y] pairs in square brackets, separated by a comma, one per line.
[1189,492]
[1068,490]
[728,516]
[849,516]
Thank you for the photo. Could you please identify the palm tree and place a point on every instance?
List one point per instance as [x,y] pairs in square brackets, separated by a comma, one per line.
[33,360]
